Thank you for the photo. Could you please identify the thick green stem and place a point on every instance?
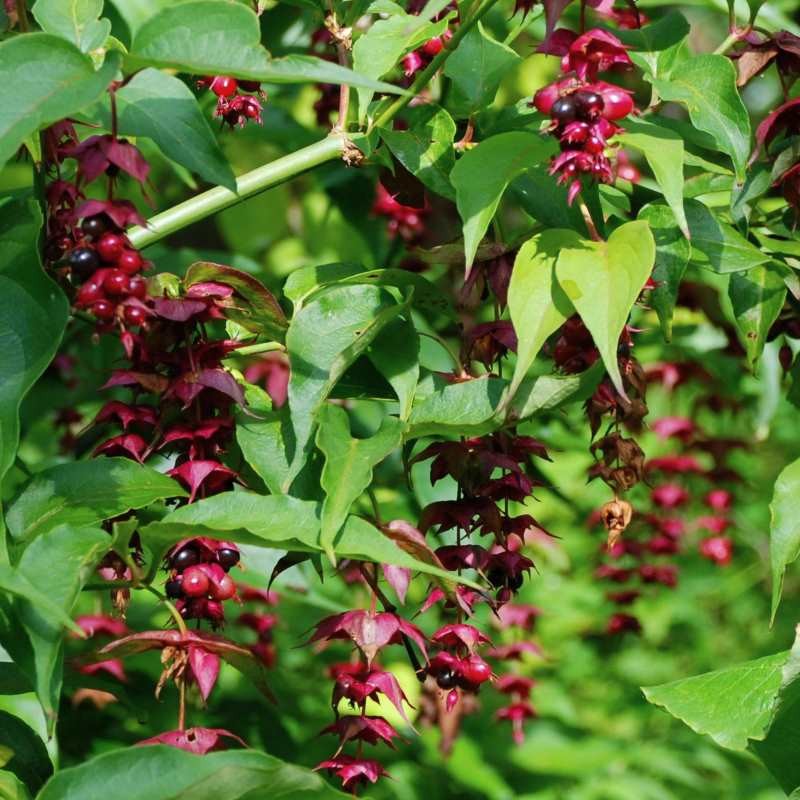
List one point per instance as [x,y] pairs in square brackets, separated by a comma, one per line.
[425,76]
[282,169]
[251,183]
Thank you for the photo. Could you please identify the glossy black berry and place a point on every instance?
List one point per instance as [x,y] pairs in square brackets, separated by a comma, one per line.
[563,110]
[185,557]
[588,104]
[94,226]
[227,557]
[174,588]
[446,679]
[83,261]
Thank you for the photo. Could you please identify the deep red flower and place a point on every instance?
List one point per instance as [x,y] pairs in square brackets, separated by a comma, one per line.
[195,740]
[516,714]
[363,728]
[106,153]
[678,427]
[669,495]
[623,623]
[595,51]
[460,636]
[353,771]
[206,475]
[718,549]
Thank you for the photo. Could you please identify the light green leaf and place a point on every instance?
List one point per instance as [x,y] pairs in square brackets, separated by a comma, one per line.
[757,296]
[731,705]
[482,174]
[717,245]
[603,280]
[348,466]
[425,148]
[395,354]
[159,772]
[77,552]
[706,85]
[784,532]
[476,69]
[32,317]
[77,21]
[663,150]
[45,78]
[163,108]
[672,258]
[208,37]
[85,493]
[11,787]
[536,303]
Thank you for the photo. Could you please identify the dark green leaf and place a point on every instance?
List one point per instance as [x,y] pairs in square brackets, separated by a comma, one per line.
[32,317]
[45,78]
[706,85]
[482,174]
[161,107]
[476,68]
[30,761]
[425,148]
[85,493]
[757,297]
[717,245]
[77,21]
[159,772]
[672,258]
[395,354]
[13,680]
[348,466]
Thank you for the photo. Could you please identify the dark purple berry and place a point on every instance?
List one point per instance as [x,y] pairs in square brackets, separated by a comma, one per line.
[227,557]
[94,226]
[185,557]
[446,679]
[174,588]
[588,104]
[563,110]
[83,261]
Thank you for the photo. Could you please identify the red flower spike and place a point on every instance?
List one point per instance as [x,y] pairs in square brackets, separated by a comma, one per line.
[122,213]
[362,728]
[515,684]
[101,625]
[465,556]
[273,370]
[369,632]
[518,616]
[595,51]
[516,714]
[465,514]
[97,154]
[677,427]
[211,476]
[718,499]
[129,445]
[515,651]
[459,635]
[718,549]
[205,669]
[195,740]
[669,495]
[126,415]
[357,686]
[674,464]
[262,624]
[713,524]
[353,771]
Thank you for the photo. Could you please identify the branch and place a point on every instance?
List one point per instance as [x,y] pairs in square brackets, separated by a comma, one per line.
[282,169]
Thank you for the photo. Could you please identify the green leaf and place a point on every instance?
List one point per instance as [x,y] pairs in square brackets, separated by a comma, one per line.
[662,34]
[11,787]
[603,280]
[465,408]
[77,552]
[757,297]
[672,258]
[706,85]
[13,680]
[159,772]
[85,493]
[210,37]
[482,174]
[663,150]
[324,338]
[395,354]
[348,466]
[717,245]
[45,78]
[536,303]
[30,762]
[784,532]
[425,148]
[32,317]
[257,309]
[16,585]
[163,108]
[731,705]
[77,21]
[378,50]
[476,69]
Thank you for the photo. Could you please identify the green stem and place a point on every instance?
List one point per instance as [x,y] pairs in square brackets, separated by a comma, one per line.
[264,177]
[425,76]
[730,40]
[253,349]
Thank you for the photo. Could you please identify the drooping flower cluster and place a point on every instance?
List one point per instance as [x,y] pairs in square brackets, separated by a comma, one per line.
[408,222]
[237,100]
[360,680]
[583,110]
[418,59]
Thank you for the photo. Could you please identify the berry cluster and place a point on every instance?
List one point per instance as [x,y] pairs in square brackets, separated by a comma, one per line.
[233,107]
[198,577]
[457,667]
[584,111]
[418,59]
